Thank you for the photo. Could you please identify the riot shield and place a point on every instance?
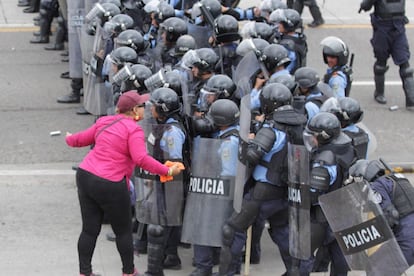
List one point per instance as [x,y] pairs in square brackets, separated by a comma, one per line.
[158,203]
[76,13]
[362,231]
[245,71]
[243,171]
[97,97]
[210,195]
[299,202]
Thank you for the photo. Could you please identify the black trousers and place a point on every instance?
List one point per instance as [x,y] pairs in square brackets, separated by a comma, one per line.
[98,196]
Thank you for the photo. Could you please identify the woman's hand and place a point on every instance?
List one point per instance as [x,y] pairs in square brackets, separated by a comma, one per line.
[175,169]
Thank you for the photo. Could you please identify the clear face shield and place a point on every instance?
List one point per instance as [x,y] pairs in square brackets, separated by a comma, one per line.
[157,80]
[206,99]
[94,12]
[122,75]
[309,140]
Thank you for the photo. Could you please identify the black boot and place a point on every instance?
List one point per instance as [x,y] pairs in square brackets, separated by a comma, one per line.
[317,16]
[406,74]
[73,97]
[155,250]
[34,7]
[44,23]
[61,34]
[379,78]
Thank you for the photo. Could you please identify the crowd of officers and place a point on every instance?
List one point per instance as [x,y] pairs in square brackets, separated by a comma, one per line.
[231,101]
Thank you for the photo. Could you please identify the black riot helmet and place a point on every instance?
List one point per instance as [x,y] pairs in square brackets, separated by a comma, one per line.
[369,170]
[166,101]
[132,39]
[206,60]
[273,96]
[347,110]
[224,112]
[122,55]
[291,20]
[139,74]
[334,46]
[251,44]
[213,6]
[351,111]
[109,11]
[255,29]
[324,127]
[285,79]
[164,12]
[306,77]
[274,56]
[118,23]
[220,84]
[226,28]
[184,44]
[174,27]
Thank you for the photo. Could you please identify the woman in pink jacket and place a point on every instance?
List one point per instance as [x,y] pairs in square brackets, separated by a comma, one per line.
[103,176]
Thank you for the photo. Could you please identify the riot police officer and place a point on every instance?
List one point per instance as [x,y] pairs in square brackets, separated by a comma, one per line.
[224,42]
[267,195]
[395,194]
[202,66]
[389,39]
[224,117]
[162,208]
[294,40]
[349,113]
[338,75]
[275,58]
[119,58]
[171,29]
[332,154]
[310,97]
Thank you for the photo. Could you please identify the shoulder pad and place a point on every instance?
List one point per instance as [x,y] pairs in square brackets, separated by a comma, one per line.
[326,157]
[289,117]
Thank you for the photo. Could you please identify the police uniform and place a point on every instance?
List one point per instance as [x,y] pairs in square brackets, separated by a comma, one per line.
[360,140]
[163,240]
[267,197]
[334,159]
[337,80]
[389,39]
[395,190]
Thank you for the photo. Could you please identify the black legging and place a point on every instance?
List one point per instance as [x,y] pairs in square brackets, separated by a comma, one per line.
[96,197]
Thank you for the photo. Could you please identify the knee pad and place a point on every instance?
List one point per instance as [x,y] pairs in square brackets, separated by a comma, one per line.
[155,231]
[228,235]
[406,71]
[43,13]
[380,69]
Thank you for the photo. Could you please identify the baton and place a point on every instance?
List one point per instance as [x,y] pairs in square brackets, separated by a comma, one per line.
[247,251]
[397,169]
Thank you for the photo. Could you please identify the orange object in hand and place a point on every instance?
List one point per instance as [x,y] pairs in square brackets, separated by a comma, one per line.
[166,178]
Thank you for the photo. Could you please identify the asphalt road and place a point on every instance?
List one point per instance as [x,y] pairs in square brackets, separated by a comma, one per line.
[39,212]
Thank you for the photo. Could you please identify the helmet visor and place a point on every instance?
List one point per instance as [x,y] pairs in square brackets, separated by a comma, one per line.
[309,140]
